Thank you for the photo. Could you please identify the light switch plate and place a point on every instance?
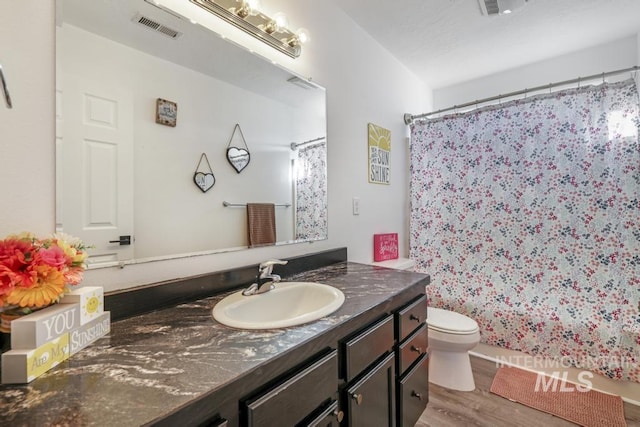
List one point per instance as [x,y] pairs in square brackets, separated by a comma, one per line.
[356,206]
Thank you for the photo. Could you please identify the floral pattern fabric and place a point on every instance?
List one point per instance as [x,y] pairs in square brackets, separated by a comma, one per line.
[527,217]
[311,193]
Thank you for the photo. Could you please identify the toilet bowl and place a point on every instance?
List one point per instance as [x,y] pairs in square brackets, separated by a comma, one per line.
[451,336]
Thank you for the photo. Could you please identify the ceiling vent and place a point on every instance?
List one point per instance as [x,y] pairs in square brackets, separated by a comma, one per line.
[500,7]
[156,26]
[489,7]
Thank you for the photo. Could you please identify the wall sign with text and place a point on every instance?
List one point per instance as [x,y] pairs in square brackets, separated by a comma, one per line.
[379,154]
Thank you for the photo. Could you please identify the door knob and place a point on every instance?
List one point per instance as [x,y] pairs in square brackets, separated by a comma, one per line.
[124,240]
[414,394]
[357,397]
[339,415]
[416,349]
[414,317]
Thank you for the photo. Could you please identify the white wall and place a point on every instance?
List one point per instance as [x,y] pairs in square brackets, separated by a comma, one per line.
[607,57]
[364,84]
[27,131]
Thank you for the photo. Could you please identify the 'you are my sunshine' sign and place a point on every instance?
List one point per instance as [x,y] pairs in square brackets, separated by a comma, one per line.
[379,144]
[47,337]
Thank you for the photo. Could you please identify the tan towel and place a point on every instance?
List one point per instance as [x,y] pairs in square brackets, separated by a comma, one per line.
[261,220]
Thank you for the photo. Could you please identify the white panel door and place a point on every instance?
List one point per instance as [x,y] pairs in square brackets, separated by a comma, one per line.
[97,167]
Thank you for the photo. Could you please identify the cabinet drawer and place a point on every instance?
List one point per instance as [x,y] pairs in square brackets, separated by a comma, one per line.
[410,317]
[327,417]
[366,347]
[413,393]
[370,402]
[413,347]
[292,400]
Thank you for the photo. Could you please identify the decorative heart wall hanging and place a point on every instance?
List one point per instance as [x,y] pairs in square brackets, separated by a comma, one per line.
[204,180]
[238,157]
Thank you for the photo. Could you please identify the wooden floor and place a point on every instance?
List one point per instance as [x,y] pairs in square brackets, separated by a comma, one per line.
[482,408]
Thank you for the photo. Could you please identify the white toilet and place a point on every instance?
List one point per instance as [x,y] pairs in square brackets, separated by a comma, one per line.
[451,336]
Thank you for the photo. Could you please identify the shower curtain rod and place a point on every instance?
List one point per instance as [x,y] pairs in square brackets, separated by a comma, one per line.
[295,145]
[409,118]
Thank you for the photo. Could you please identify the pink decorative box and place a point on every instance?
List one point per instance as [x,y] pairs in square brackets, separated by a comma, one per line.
[385,246]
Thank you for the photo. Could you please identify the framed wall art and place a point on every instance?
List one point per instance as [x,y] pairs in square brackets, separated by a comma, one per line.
[166,112]
[379,145]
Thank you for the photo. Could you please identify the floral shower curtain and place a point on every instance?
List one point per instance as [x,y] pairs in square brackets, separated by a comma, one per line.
[527,217]
[311,193]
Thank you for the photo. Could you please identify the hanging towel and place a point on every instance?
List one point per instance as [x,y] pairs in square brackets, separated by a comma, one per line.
[261,219]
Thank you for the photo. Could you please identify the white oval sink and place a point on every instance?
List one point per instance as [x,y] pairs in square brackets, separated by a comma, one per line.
[288,304]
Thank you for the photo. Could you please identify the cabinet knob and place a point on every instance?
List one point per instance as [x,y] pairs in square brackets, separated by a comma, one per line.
[414,394]
[339,415]
[358,398]
[414,317]
[416,349]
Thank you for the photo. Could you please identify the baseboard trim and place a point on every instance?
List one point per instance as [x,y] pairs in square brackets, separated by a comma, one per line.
[627,390]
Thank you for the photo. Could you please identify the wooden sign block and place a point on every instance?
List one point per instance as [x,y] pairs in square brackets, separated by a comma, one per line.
[23,366]
[89,332]
[32,331]
[385,246]
[91,300]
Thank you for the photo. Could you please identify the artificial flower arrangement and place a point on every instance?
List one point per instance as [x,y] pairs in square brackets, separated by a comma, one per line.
[35,273]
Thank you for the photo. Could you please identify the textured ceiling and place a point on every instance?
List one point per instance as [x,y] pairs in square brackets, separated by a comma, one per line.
[445,42]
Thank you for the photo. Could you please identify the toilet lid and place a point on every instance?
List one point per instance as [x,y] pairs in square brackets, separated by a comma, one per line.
[449,321]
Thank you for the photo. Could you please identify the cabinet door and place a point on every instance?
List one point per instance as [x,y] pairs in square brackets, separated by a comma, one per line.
[294,399]
[413,393]
[370,401]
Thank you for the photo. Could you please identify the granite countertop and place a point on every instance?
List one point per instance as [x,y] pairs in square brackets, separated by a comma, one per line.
[151,364]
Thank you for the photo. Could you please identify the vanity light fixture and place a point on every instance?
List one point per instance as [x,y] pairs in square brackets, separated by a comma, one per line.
[245,15]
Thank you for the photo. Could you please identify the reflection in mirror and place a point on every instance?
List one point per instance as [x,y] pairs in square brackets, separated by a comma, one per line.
[238,157]
[310,174]
[120,173]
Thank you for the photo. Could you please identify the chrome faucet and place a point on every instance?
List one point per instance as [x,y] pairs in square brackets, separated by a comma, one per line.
[265,279]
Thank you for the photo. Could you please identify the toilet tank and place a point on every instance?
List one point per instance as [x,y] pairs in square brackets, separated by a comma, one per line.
[398,264]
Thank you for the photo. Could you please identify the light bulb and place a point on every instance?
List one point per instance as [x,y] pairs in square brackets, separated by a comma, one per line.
[253,4]
[281,20]
[303,35]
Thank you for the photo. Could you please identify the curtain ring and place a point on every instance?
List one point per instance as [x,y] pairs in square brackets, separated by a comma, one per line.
[579,78]
[550,86]
[603,82]
[526,92]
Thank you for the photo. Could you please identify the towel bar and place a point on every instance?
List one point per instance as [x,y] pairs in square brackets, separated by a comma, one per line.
[279,205]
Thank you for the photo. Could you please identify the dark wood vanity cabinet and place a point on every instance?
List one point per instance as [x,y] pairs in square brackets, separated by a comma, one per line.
[412,385]
[377,376]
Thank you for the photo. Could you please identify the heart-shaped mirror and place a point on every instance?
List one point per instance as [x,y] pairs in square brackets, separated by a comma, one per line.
[204,181]
[238,157]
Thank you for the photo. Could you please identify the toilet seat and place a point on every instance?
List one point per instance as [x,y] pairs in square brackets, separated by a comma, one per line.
[450,322]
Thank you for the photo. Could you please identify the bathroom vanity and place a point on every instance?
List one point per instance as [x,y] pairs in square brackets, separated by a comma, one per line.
[364,365]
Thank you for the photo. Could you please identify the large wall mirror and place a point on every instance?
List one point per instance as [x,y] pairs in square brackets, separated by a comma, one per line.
[120,173]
